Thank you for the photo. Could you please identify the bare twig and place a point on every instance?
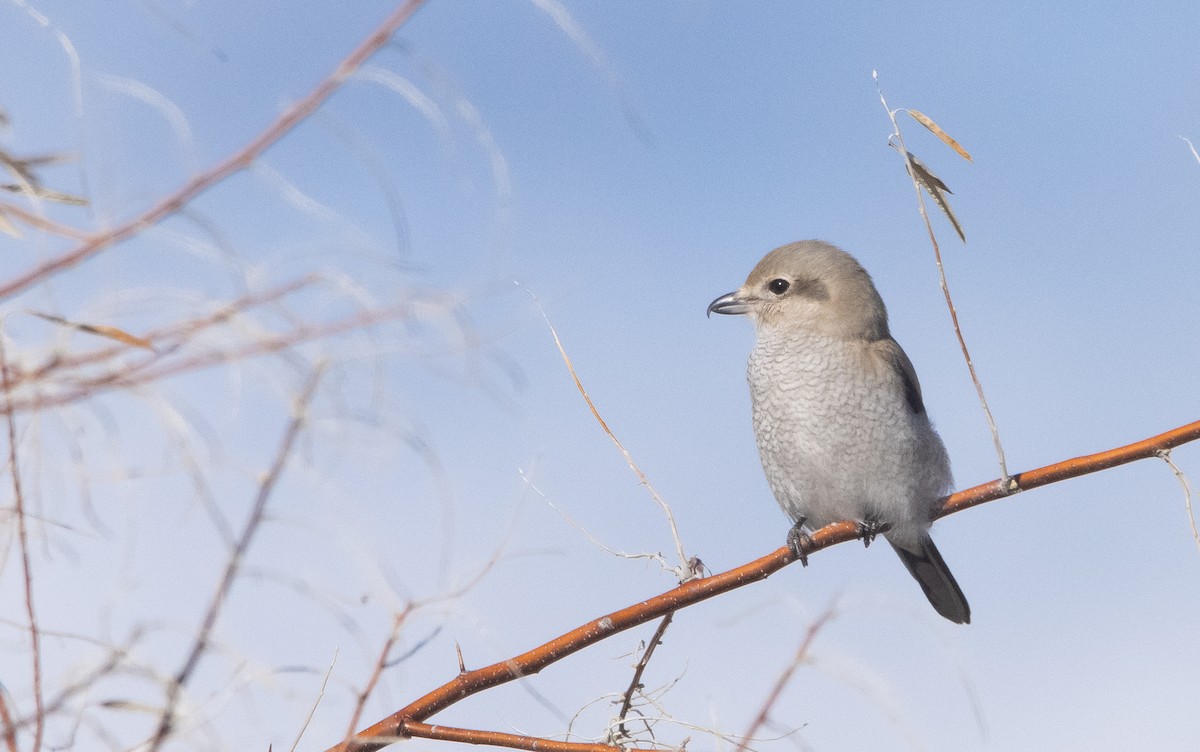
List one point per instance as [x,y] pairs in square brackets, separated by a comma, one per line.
[685,571]
[14,467]
[244,157]
[395,726]
[40,222]
[165,339]
[236,557]
[156,367]
[316,703]
[1165,456]
[1192,148]
[79,685]
[377,672]
[636,683]
[9,728]
[785,677]
[1005,479]
[656,557]
[576,33]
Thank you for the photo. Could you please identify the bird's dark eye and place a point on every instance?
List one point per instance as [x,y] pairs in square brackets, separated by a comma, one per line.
[779,286]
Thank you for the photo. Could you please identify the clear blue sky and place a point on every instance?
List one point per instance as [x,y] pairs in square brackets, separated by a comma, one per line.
[626,180]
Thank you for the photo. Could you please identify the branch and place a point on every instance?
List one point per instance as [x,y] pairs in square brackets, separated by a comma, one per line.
[241,159]
[784,678]
[233,566]
[501,739]
[397,622]
[35,639]
[408,721]
[636,683]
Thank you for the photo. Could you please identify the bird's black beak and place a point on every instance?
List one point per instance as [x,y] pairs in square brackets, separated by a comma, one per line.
[730,305]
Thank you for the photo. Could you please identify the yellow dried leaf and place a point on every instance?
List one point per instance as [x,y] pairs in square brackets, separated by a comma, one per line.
[119,335]
[936,189]
[100,330]
[44,193]
[936,130]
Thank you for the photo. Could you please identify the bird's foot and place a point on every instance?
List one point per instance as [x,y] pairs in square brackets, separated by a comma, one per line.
[799,542]
[868,529]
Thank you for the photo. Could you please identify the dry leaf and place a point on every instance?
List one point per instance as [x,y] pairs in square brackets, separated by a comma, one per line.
[935,188]
[44,193]
[100,330]
[936,130]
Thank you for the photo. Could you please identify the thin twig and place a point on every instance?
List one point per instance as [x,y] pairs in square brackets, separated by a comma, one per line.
[685,571]
[244,157]
[10,729]
[462,686]
[1005,479]
[236,557]
[656,557]
[42,223]
[153,368]
[1193,148]
[77,686]
[316,703]
[785,677]
[636,683]
[377,672]
[165,339]
[1165,456]
[35,653]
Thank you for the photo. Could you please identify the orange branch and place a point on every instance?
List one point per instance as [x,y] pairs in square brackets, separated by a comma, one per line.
[501,739]
[1073,468]
[408,721]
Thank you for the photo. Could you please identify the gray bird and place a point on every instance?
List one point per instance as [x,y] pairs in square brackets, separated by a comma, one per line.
[838,417]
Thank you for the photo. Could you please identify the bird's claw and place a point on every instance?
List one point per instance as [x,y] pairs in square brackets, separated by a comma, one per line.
[868,529]
[799,542]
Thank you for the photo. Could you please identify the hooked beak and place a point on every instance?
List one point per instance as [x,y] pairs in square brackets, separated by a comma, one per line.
[729,304]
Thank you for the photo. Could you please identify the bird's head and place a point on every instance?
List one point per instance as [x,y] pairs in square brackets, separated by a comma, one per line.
[810,287]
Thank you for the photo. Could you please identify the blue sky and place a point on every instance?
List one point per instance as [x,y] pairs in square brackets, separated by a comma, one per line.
[626,182]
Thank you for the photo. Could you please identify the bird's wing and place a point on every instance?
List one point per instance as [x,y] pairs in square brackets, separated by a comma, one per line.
[896,359]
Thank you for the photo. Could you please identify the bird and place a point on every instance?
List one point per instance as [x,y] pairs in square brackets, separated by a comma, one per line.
[838,416]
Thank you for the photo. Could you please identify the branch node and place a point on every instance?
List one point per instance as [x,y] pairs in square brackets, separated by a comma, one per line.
[402,731]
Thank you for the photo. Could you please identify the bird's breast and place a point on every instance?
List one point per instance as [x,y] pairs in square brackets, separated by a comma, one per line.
[835,434]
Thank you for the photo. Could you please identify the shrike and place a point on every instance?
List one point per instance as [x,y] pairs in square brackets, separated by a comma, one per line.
[838,416]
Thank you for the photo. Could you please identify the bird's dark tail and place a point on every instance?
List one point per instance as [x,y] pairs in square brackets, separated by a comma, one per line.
[931,573]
